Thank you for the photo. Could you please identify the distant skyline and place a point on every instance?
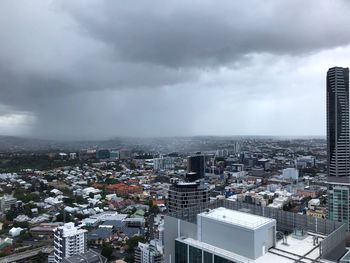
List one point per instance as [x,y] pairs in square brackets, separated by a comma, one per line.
[86,69]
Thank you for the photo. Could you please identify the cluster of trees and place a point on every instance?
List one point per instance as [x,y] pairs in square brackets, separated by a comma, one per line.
[74,199]
[26,196]
[131,245]
[31,161]
[107,251]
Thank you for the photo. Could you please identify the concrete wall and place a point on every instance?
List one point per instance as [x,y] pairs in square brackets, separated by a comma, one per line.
[243,241]
[264,239]
[227,236]
[175,228]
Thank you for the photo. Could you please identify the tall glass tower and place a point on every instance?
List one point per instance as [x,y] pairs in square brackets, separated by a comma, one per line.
[338,122]
[338,144]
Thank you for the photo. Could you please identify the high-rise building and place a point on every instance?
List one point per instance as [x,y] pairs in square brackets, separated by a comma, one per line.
[103,154]
[338,144]
[69,240]
[220,235]
[196,164]
[338,202]
[182,195]
[147,253]
[235,232]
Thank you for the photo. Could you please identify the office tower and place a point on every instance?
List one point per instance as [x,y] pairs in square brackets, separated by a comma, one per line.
[69,240]
[103,154]
[147,253]
[196,164]
[182,195]
[338,202]
[338,144]
[114,155]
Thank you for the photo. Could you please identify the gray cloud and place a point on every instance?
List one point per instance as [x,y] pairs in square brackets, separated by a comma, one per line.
[205,33]
[83,69]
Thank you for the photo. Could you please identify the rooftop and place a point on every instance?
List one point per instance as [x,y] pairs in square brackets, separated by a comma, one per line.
[237,218]
[69,229]
[88,257]
[295,250]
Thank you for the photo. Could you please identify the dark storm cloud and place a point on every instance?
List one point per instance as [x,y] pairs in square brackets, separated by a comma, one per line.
[103,68]
[208,33]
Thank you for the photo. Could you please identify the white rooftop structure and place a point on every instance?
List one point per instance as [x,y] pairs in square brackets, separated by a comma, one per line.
[69,229]
[217,228]
[237,218]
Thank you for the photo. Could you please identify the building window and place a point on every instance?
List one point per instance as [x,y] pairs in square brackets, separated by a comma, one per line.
[180,252]
[208,257]
[195,255]
[218,259]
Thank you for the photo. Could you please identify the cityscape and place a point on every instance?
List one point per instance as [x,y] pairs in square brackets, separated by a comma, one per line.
[174,132]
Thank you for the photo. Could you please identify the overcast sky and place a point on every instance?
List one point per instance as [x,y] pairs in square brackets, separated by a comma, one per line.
[98,69]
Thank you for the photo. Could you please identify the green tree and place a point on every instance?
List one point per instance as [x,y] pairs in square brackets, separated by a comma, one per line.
[41,258]
[21,224]
[154,209]
[60,217]
[107,251]
[10,215]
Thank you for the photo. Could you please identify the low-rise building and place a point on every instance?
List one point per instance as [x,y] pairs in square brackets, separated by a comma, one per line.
[7,203]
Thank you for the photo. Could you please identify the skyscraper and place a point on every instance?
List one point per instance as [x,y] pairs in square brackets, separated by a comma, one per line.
[338,144]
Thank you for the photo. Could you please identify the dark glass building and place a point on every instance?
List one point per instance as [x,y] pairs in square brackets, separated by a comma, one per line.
[103,154]
[338,144]
[183,195]
[196,164]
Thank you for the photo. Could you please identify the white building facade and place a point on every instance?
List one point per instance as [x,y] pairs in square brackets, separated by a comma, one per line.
[147,253]
[69,240]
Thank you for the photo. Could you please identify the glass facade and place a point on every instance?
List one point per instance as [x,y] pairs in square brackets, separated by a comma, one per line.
[218,259]
[208,257]
[194,255]
[180,252]
[338,204]
[338,141]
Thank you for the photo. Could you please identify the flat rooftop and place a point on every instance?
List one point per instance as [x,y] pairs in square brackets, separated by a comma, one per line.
[234,217]
[295,250]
